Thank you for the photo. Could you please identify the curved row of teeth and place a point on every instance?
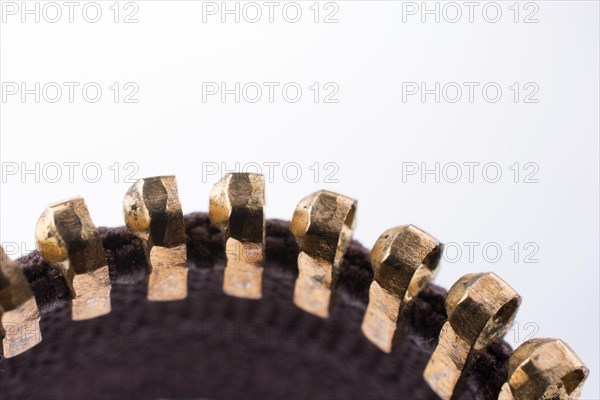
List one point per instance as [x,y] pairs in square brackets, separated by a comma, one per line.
[480,307]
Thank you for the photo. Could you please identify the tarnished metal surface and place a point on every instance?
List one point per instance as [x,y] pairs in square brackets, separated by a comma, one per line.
[322,225]
[481,308]
[68,239]
[404,259]
[545,369]
[237,208]
[19,314]
[153,213]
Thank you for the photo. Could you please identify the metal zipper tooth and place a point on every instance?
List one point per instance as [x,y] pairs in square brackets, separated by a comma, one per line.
[19,313]
[152,212]
[322,224]
[237,209]
[404,260]
[544,369]
[481,308]
[68,240]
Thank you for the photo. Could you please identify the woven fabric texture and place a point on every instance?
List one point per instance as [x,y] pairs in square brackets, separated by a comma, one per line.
[213,346]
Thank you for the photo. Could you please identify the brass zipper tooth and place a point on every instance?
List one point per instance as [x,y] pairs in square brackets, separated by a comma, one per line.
[322,224]
[237,209]
[153,213]
[19,313]
[481,308]
[544,369]
[68,240]
[404,260]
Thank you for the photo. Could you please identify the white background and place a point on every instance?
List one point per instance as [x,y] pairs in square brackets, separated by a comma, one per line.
[370,136]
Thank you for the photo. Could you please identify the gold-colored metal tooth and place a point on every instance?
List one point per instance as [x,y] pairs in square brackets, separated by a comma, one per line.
[68,240]
[481,308]
[19,313]
[237,208]
[322,225]
[405,260]
[544,369]
[153,213]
